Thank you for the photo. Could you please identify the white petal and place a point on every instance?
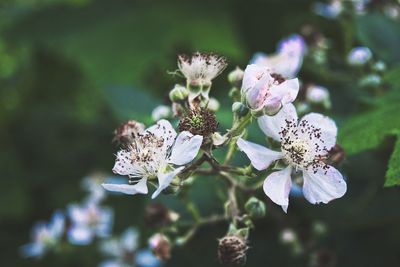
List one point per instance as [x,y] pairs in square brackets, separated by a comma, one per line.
[164,179]
[185,148]
[327,126]
[78,235]
[123,163]
[252,75]
[163,129]
[277,187]
[260,157]
[272,125]
[323,186]
[286,91]
[256,95]
[139,188]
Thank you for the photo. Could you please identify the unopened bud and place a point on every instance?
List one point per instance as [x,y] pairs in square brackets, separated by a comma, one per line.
[255,207]
[160,246]
[232,250]
[161,112]
[379,66]
[318,95]
[239,109]
[125,133]
[213,104]
[235,77]
[178,93]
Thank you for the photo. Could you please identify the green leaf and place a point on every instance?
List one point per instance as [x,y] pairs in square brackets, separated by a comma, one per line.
[393,171]
[368,130]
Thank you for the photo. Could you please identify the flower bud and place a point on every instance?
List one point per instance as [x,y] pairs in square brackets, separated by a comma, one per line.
[370,80]
[160,246]
[239,109]
[157,215]
[178,93]
[213,104]
[218,139]
[358,56]
[255,207]
[288,236]
[161,112]
[318,95]
[379,66]
[125,133]
[235,77]
[232,250]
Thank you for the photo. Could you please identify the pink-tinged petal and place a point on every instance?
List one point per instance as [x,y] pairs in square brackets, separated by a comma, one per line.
[252,74]
[260,157]
[123,163]
[273,125]
[324,185]
[185,148]
[139,188]
[286,91]
[164,179]
[163,129]
[277,187]
[256,96]
[327,128]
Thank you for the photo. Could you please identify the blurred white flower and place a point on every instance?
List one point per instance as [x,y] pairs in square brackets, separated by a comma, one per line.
[287,60]
[92,185]
[161,112]
[304,146]
[153,154]
[123,251]
[89,220]
[330,10]
[45,236]
[265,91]
[316,94]
[359,56]
[288,236]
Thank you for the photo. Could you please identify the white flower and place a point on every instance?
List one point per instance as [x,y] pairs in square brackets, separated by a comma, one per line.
[304,146]
[89,221]
[263,90]
[359,56]
[161,112]
[45,236]
[287,60]
[318,95]
[199,70]
[153,154]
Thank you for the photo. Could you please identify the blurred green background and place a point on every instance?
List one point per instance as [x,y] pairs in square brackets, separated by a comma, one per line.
[72,70]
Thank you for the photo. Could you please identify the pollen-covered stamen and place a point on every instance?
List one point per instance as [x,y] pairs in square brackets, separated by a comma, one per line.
[146,154]
[302,145]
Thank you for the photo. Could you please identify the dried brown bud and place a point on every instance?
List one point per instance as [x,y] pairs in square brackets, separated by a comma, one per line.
[199,121]
[161,246]
[157,215]
[232,250]
[125,133]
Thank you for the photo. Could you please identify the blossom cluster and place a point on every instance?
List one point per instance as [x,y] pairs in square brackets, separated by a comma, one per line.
[88,223]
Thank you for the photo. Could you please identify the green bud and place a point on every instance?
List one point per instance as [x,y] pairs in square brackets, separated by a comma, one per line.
[178,93]
[235,77]
[239,109]
[255,207]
